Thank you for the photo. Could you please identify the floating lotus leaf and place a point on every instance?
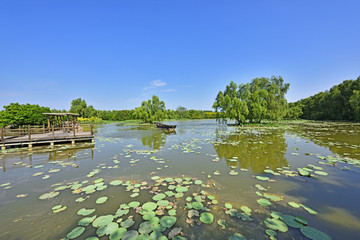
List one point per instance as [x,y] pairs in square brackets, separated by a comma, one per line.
[163,203]
[222,223]
[198,182]
[134,204]
[62,188]
[103,220]
[149,215]
[269,171]
[144,236]
[169,179]
[290,221]
[308,209]
[86,221]
[121,212]
[169,193]
[158,228]
[228,205]
[270,232]
[171,187]
[245,209]
[131,235]
[101,200]
[134,195]
[124,206]
[145,227]
[276,214]
[276,224]
[314,234]
[150,206]
[301,220]
[85,212]
[211,197]
[76,232]
[128,223]
[108,229]
[321,173]
[118,234]
[99,180]
[206,218]
[303,172]
[233,173]
[92,238]
[264,202]
[167,221]
[192,213]
[179,195]
[197,205]
[273,197]
[176,238]
[237,236]
[56,207]
[62,208]
[259,194]
[214,201]
[154,220]
[181,189]
[159,197]
[116,182]
[172,212]
[156,235]
[188,199]
[49,195]
[155,178]
[294,204]
[262,178]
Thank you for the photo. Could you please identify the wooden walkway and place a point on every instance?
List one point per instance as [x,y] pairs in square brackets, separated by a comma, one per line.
[46,138]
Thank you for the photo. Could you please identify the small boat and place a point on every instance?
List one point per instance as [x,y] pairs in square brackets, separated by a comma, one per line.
[165,126]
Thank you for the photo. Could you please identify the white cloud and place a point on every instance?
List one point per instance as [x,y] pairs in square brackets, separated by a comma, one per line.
[158,83]
[168,90]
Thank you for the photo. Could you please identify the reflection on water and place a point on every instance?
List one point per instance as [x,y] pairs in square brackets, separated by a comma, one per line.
[255,149]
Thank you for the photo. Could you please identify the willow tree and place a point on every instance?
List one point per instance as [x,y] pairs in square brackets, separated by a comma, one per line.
[263,98]
[151,110]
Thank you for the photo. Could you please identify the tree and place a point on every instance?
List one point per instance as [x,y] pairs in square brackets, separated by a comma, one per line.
[151,110]
[78,106]
[181,111]
[17,114]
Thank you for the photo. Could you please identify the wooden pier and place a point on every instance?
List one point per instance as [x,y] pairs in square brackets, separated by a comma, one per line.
[57,131]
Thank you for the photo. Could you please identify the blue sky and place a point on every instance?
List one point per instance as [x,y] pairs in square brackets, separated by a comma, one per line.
[116,53]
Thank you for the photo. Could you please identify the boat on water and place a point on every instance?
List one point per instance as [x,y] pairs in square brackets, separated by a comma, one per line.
[165,126]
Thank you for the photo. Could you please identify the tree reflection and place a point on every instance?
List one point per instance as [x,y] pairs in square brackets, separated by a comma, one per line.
[155,138]
[255,149]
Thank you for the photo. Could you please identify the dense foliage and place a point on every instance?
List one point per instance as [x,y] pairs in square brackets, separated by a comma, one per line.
[151,110]
[80,107]
[342,102]
[263,98]
[17,114]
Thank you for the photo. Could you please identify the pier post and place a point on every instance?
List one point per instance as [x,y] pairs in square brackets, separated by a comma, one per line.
[3,147]
[19,131]
[73,142]
[30,145]
[91,129]
[74,130]
[51,144]
[53,134]
[29,131]
[2,135]
[43,128]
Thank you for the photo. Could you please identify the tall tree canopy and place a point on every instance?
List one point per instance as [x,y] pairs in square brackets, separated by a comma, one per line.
[16,114]
[260,99]
[151,110]
[342,102]
[80,107]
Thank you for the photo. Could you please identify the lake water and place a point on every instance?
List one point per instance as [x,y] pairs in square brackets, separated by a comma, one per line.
[234,179]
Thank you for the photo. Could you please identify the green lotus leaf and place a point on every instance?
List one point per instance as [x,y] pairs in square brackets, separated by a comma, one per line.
[176,238]
[76,232]
[206,218]
[149,215]
[154,221]
[85,212]
[108,229]
[262,178]
[121,212]
[273,197]
[131,235]
[92,238]
[80,199]
[86,221]
[303,172]
[301,220]
[158,197]
[308,209]
[245,209]
[101,200]
[192,213]
[134,204]
[99,180]
[60,209]
[116,182]
[294,204]
[156,235]
[222,223]
[314,234]
[150,206]
[198,182]
[179,195]
[172,212]
[134,195]
[264,202]
[322,173]
[128,223]
[118,234]
[290,221]
[181,189]
[103,220]
[276,224]
[169,179]
[169,193]
[167,221]
[145,227]
[228,205]
[49,195]
[276,214]
[197,205]
[237,236]
[270,232]
[163,203]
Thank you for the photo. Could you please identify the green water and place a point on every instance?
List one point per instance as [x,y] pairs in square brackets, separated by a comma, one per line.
[198,150]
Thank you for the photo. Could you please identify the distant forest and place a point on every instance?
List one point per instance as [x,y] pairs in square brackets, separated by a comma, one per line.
[341,102]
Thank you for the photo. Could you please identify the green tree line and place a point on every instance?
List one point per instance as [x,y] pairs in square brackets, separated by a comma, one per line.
[341,102]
